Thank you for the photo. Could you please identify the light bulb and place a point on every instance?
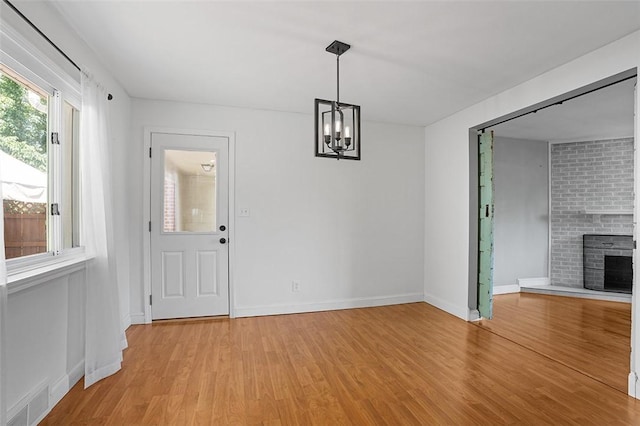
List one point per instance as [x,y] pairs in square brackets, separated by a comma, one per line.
[327,129]
[338,125]
[347,132]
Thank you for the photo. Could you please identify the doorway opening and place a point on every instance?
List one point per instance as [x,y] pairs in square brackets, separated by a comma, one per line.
[563,168]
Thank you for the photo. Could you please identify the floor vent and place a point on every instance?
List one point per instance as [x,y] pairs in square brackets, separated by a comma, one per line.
[19,419]
[37,404]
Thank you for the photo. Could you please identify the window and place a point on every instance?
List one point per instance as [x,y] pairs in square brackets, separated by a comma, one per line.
[39,167]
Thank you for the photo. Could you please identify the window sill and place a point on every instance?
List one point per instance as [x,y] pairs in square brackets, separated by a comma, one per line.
[21,279]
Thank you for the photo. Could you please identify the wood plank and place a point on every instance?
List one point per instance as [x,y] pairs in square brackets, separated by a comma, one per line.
[403,364]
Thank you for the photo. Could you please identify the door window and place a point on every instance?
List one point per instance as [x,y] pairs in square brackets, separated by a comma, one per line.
[189,191]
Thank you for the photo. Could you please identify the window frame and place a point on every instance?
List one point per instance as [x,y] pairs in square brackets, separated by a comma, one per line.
[23,58]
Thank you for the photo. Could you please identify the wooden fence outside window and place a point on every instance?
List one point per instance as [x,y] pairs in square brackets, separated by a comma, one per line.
[25,228]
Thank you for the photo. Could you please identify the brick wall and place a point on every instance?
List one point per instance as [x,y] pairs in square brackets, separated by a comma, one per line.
[169,206]
[594,175]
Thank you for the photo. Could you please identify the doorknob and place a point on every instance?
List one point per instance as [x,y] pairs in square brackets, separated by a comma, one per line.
[223,240]
[222,227]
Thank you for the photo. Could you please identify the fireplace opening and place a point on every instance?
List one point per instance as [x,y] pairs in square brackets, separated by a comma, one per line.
[608,262]
[618,273]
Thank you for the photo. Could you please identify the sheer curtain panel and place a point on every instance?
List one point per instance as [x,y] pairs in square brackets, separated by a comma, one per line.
[3,322]
[105,337]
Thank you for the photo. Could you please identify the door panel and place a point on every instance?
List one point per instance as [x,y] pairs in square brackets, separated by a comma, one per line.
[172,274]
[207,265]
[485,215]
[189,205]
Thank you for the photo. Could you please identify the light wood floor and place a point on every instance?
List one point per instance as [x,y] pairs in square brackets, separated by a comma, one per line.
[592,336]
[396,365]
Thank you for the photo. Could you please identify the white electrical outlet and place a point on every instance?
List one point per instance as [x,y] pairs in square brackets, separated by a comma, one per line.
[244,212]
[295,286]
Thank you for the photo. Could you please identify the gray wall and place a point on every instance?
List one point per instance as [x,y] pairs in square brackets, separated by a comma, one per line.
[521,210]
[593,175]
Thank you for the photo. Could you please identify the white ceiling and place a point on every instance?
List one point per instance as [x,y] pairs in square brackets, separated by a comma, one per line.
[603,114]
[410,62]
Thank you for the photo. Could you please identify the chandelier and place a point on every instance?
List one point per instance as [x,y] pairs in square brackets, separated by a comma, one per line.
[337,124]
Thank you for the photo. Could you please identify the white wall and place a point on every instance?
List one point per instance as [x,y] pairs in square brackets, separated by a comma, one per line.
[447,170]
[351,232]
[447,165]
[45,323]
[521,219]
[45,339]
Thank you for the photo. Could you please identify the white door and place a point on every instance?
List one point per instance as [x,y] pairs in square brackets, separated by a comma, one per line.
[189,233]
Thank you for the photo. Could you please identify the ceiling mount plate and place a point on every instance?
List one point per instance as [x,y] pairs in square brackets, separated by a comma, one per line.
[338,47]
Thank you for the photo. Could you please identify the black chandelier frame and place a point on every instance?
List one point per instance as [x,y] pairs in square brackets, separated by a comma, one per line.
[333,136]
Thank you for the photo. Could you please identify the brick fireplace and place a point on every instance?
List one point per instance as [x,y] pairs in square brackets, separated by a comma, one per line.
[591,187]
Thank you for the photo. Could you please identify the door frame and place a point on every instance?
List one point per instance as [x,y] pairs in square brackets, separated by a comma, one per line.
[146,210]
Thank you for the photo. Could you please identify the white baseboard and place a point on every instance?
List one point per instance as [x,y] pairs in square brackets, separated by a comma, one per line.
[533,282]
[633,380]
[360,302]
[60,388]
[125,321]
[137,318]
[506,289]
[461,312]
[474,315]
[76,374]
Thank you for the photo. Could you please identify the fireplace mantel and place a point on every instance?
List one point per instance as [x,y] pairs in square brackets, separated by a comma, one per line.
[608,212]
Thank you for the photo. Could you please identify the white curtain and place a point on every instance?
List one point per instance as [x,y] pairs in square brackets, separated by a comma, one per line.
[105,338]
[3,322]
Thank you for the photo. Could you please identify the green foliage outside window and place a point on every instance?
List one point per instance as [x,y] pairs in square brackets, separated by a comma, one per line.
[23,123]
